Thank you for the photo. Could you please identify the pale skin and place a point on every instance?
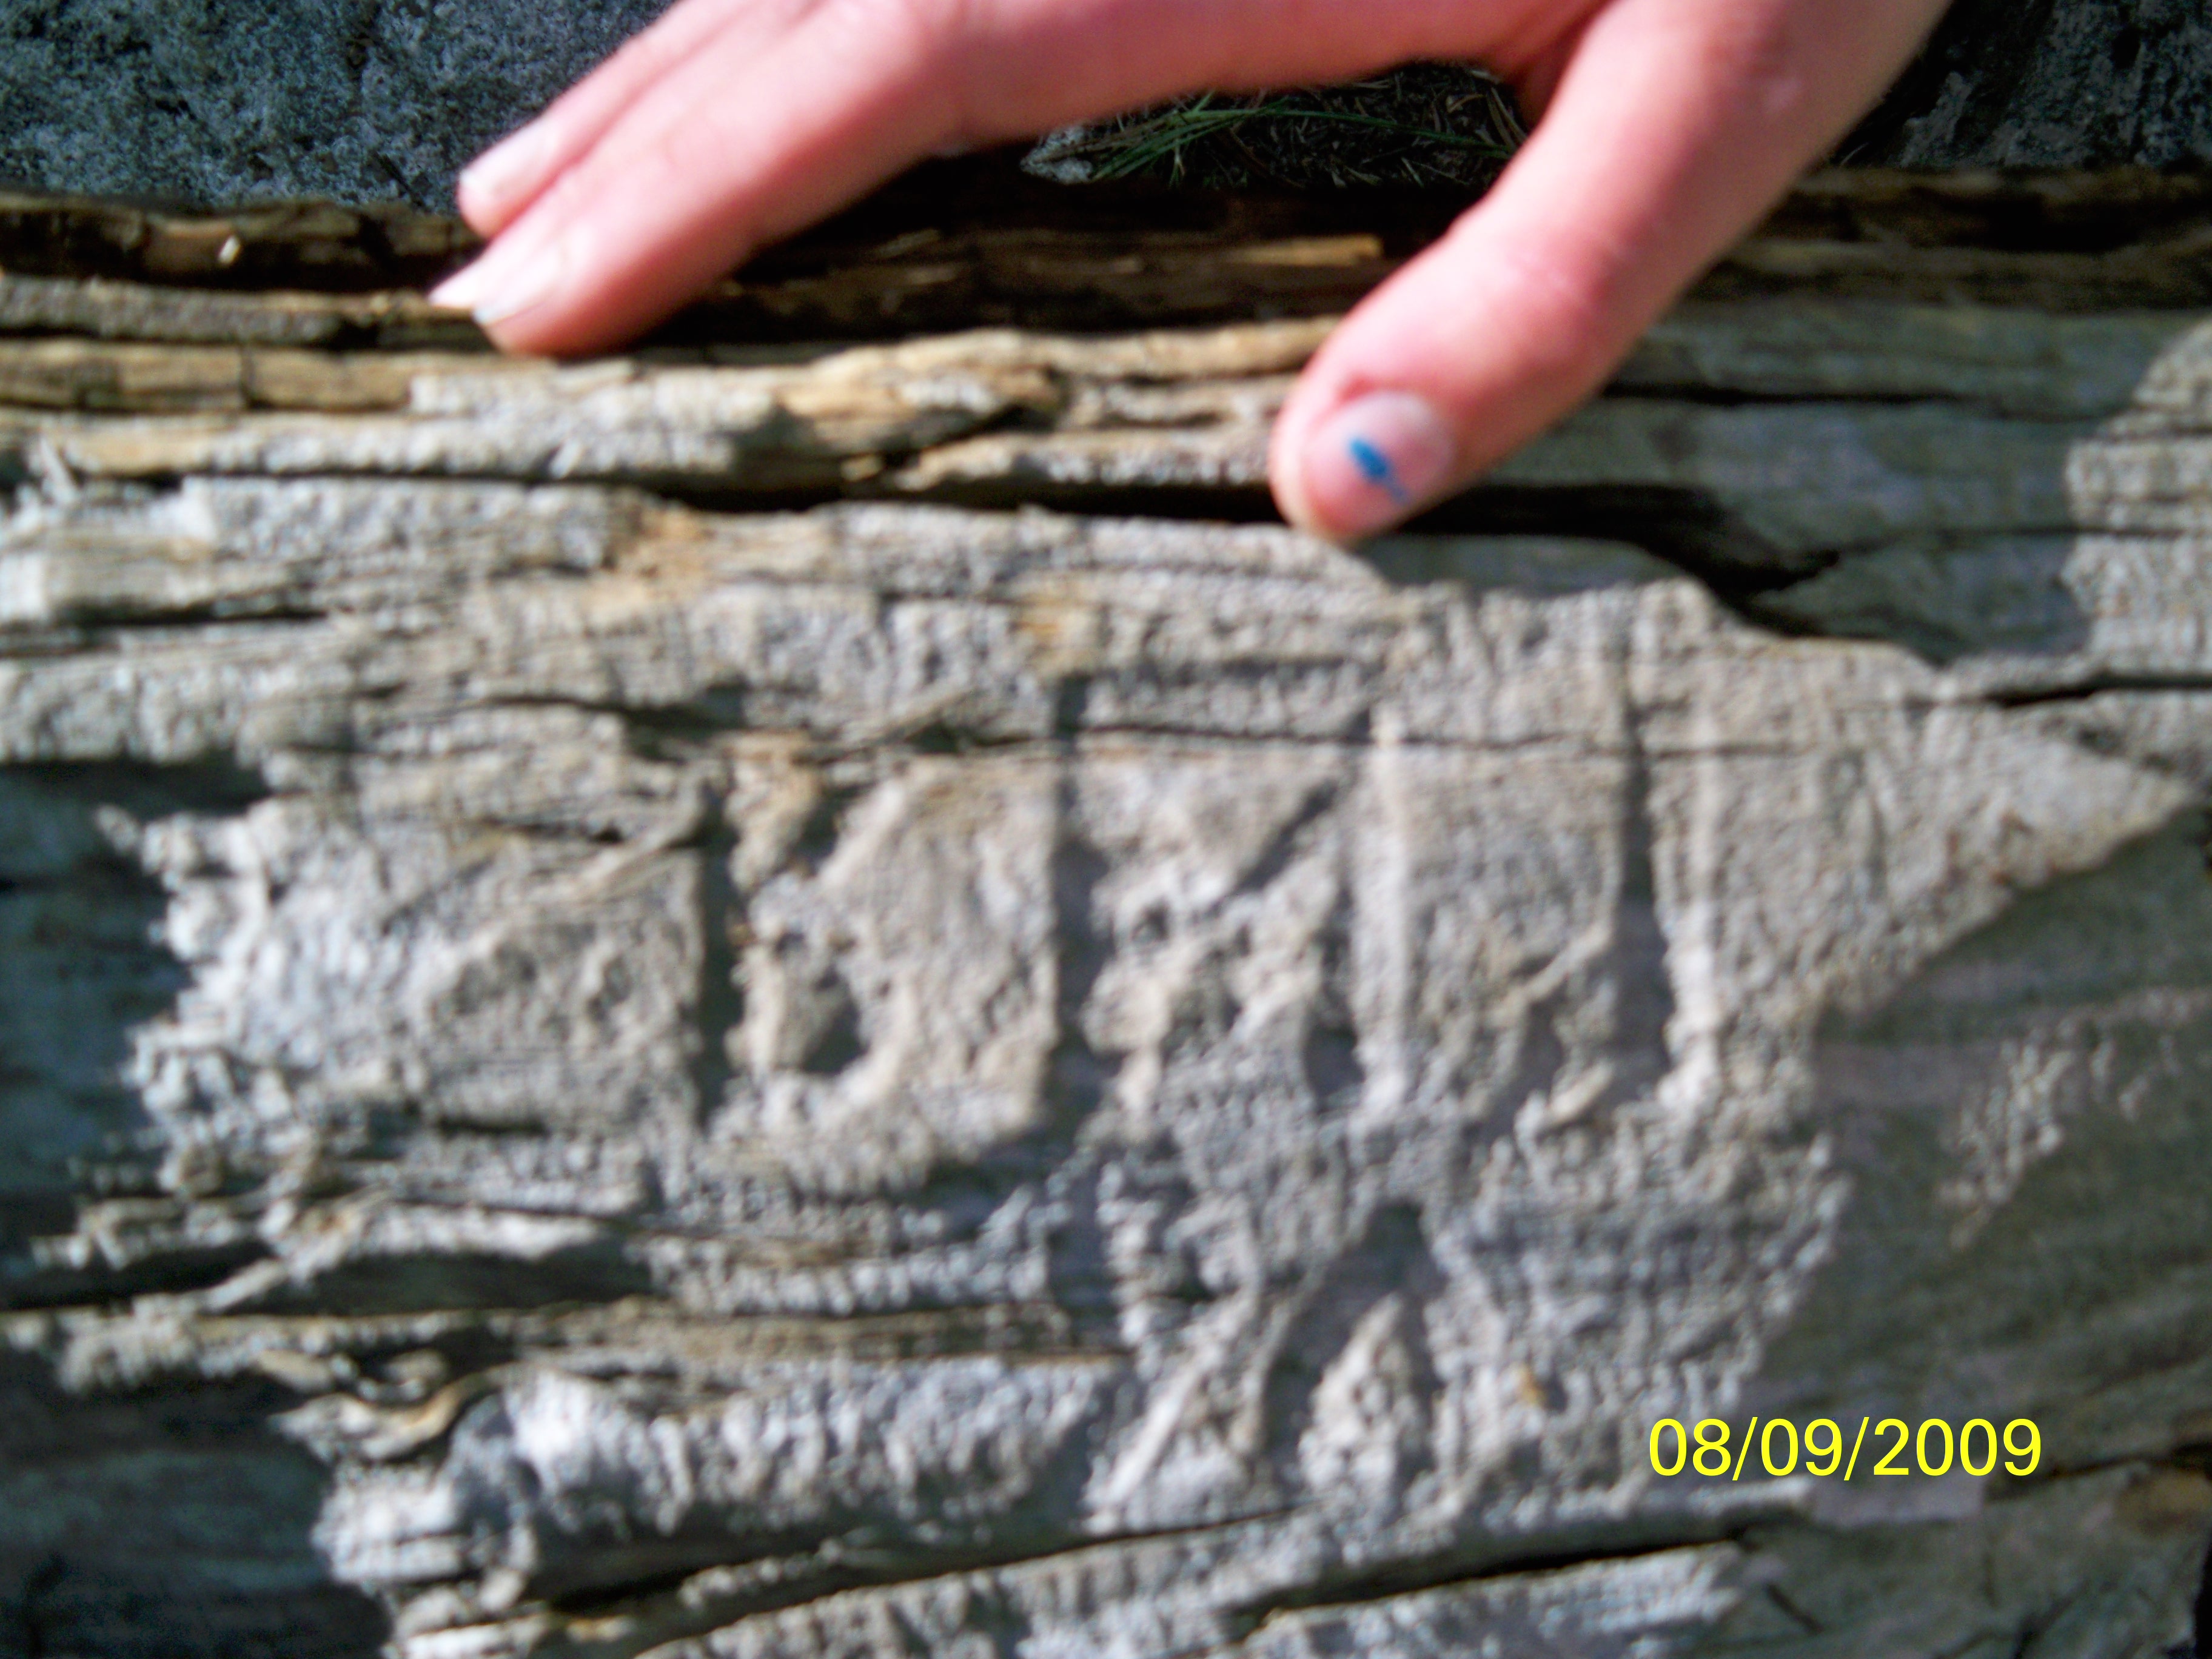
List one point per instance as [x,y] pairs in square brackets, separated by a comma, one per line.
[1666,129]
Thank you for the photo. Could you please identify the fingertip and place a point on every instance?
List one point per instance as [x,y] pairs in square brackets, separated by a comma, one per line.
[1286,480]
[1367,464]
[495,188]
[505,291]
[459,292]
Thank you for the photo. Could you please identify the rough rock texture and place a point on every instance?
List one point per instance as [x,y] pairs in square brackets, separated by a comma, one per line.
[2044,83]
[221,101]
[644,1012]
[216,101]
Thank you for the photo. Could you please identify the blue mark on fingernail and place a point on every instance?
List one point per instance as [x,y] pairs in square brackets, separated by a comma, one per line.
[1375,466]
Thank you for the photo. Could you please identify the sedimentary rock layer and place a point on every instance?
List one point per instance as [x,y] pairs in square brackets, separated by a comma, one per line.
[792,998]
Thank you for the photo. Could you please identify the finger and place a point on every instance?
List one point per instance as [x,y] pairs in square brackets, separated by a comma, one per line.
[503,181]
[747,139]
[1675,125]
[733,149]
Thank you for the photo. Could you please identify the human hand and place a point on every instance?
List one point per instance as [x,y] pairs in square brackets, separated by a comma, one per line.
[1667,128]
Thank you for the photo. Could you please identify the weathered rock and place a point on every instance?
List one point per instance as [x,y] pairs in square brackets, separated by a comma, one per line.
[645,1012]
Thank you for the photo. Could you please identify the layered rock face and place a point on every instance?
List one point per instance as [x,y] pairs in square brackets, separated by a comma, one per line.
[779,999]
[226,101]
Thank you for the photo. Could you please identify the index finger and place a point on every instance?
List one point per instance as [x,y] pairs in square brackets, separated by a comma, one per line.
[502,183]
[736,147]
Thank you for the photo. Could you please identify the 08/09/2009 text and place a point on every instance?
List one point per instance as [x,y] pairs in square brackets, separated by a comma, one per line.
[1976,1446]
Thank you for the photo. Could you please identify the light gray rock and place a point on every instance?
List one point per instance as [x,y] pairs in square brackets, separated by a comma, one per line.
[599,1063]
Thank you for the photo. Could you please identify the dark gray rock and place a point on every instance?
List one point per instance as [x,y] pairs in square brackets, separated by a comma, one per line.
[230,99]
[2051,83]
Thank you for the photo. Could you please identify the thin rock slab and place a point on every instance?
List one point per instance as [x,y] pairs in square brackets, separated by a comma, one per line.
[647,1011]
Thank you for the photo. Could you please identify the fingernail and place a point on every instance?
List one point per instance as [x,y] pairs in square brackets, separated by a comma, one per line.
[505,168]
[496,289]
[1376,460]
[461,290]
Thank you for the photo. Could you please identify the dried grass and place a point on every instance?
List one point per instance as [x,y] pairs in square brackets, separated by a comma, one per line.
[1428,125]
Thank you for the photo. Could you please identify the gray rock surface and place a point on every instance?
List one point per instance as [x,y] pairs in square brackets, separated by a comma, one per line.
[2074,83]
[224,100]
[219,101]
[596,1062]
